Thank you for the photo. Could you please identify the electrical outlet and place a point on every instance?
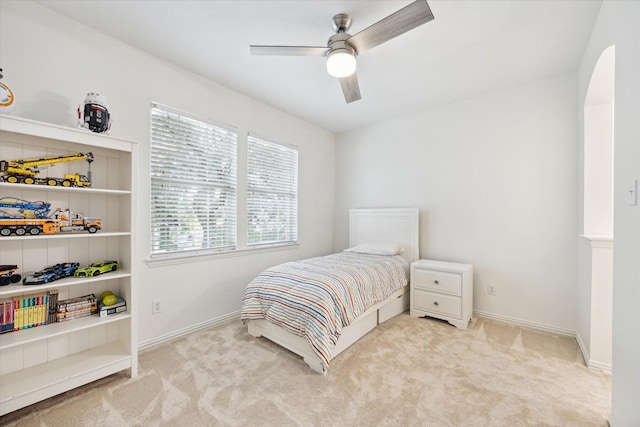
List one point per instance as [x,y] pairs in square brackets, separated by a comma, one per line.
[491,289]
[156,306]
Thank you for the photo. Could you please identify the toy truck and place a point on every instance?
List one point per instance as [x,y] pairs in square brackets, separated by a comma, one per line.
[59,221]
[8,274]
[26,171]
[73,221]
[17,208]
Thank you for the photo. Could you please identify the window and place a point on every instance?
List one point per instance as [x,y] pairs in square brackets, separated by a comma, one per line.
[272,192]
[193,184]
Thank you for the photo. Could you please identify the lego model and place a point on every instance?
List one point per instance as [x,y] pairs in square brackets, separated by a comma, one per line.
[26,171]
[97,268]
[58,222]
[23,208]
[8,274]
[94,114]
[51,273]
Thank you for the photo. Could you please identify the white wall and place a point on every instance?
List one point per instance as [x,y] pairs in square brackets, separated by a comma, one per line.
[51,62]
[617,24]
[598,169]
[495,180]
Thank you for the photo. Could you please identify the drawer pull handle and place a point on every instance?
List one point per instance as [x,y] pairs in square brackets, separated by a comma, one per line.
[435,303]
[436,282]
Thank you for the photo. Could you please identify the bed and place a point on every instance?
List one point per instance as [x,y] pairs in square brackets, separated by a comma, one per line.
[300,305]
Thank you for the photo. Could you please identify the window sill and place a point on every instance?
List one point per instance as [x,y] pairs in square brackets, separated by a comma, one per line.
[184,258]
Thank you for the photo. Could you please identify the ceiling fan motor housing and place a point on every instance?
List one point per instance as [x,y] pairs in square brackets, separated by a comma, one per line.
[341,23]
[339,41]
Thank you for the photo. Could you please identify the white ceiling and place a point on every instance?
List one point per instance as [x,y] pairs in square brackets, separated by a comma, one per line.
[471,47]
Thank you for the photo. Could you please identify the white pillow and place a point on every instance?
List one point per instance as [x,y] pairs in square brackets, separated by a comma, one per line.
[377,248]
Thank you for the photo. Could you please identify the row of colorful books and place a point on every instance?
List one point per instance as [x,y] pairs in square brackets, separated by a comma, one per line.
[28,311]
[39,309]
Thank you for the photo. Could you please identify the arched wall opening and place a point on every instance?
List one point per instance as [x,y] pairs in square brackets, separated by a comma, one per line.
[595,293]
[598,148]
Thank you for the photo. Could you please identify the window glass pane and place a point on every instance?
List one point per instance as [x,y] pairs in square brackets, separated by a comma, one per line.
[272,192]
[193,184]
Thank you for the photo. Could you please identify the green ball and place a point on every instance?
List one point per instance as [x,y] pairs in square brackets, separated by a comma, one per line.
[104,294]
[109,299]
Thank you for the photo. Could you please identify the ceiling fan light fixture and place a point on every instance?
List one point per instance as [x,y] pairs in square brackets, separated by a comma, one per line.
[341,63]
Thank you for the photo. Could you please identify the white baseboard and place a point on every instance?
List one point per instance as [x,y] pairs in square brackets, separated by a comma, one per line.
[186,331]
[525,323]
[583,349]
[591,364]
[605,368]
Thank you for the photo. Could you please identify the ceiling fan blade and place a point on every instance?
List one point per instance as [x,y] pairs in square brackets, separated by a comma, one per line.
[289,50]
[405,19]
[350,88]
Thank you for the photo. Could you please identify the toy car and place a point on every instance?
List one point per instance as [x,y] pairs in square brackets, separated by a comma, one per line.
[51,273]
[97,268]
[69,268]
[8,274]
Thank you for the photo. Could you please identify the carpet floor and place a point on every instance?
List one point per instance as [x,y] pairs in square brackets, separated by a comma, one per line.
[406,372]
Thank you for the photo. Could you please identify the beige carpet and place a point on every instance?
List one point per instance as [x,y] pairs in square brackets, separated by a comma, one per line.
[407,372]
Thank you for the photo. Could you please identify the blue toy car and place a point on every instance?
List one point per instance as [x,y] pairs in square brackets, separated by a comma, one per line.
[68,268]
[51,273]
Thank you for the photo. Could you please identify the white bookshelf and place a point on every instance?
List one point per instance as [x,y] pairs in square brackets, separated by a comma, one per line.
[41,362]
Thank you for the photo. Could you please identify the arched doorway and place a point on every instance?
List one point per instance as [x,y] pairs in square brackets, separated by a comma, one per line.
[594,334]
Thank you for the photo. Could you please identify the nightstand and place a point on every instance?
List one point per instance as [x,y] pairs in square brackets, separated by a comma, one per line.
[443,290]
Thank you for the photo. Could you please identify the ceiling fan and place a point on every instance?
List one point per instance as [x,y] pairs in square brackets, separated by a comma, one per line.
[342,48]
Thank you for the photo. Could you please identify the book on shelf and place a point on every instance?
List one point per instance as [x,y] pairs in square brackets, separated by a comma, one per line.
[119,306]
[27,311]
[119,302]
[6,311]
[51,307]
[75,314]
[75,308]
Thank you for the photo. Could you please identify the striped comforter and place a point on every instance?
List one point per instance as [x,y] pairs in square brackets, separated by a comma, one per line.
[317,297]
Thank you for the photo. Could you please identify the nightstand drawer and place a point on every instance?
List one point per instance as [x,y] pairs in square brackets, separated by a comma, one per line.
[438,281]
[437,303]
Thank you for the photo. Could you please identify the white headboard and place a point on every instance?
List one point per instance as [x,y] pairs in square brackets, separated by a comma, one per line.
[399,225]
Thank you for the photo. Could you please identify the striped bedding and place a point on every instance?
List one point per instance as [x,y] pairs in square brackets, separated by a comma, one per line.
[317,297]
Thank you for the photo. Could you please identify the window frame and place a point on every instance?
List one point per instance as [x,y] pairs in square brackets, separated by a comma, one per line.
[292,233]
[230,235]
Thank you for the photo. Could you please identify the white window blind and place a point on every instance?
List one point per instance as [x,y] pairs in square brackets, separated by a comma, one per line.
[193,184]
[272,192]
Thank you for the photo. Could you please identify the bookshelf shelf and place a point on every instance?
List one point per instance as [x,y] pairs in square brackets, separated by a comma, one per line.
[60,328]
[18,390]
[40,362]
[18,289]
[72,190]
[65,236]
